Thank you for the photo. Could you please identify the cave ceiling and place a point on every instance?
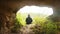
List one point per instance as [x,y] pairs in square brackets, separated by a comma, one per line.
[14,5]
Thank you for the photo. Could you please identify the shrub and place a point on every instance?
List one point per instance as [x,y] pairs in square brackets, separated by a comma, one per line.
[47,27]
[16,26]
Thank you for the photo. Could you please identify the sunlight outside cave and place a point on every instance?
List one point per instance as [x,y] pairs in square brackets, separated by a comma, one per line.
[36,11]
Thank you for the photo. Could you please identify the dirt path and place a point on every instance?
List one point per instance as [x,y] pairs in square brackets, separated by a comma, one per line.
[27,29]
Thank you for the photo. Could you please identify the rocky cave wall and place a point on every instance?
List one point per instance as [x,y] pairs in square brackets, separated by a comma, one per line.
[9,8]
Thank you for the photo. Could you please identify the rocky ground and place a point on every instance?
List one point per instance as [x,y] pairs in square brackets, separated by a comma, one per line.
[27,29]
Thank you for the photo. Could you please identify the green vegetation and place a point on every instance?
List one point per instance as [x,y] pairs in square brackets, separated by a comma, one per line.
[21,18]
[42,25]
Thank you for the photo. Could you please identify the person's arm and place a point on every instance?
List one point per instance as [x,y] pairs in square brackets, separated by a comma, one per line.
[31,19]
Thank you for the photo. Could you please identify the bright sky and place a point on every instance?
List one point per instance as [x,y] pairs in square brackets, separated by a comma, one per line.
[36,9]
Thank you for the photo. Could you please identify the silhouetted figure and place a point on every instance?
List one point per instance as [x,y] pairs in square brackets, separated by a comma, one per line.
[28,20]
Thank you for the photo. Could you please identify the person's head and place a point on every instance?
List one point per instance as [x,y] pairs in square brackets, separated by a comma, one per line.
[28,15]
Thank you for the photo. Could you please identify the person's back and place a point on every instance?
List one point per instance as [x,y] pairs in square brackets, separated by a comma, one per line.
[28,20]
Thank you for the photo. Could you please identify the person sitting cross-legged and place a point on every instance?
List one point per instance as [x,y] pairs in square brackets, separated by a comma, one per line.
[28,20]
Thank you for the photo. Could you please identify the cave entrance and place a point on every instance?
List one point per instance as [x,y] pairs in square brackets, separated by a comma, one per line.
[34,11]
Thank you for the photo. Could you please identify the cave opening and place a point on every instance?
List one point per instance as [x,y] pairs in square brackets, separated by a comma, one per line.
[34,12]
